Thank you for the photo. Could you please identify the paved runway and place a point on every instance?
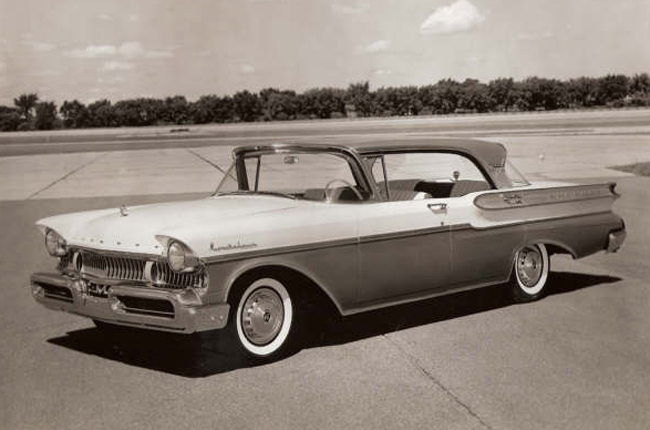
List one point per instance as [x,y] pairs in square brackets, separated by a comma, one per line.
[199,169]
[577,359]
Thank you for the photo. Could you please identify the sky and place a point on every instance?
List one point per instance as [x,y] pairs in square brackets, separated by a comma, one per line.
[118,49]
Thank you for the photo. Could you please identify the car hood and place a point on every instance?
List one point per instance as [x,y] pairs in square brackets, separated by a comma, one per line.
[145,229]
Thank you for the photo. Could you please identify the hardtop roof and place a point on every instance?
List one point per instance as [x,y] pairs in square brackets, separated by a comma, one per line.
[492,154]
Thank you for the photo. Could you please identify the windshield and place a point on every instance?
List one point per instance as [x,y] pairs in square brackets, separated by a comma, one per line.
[308,176]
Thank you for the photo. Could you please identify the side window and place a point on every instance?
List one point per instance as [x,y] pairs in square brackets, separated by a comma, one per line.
[422,175]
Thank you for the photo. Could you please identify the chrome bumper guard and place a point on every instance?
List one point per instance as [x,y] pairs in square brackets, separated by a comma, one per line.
[130,305]
[615,239]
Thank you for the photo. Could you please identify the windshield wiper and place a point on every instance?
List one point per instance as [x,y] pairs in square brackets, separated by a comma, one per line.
[249,192]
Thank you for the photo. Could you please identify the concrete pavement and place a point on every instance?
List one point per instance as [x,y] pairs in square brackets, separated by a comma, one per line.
[577,359]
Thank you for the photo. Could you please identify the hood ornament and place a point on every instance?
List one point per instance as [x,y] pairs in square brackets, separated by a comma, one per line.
[124,211]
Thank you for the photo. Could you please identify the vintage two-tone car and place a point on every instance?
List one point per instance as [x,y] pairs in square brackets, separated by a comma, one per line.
[367,226]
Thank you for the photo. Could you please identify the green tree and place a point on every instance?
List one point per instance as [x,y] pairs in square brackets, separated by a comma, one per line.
[46,118]
[25,103]
[101,114]
[449,93]
[612,88]
[322,103]
[430,99]
[359,97]
[474,96]
[279,105]
[640,83]
[174,110]
[246,106]
[137,112]
[582,91]
[75,114]
[9,118]
[501,91]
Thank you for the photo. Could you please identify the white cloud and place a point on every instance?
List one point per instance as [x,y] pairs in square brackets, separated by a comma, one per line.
[458,16]
[117,79]
[159,54]
[5,46]
[43,46]
[39,46]
[133,17]
[105,17]
[474,59]
[534,36]
[382,72]
[92,51]
[45,73]
[130,49]
[127,50]
[247,68]
[98,90]
[116,66]
[377,46]
[348,10]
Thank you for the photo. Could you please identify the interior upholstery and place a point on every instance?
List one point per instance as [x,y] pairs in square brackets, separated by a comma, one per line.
[340,194]
[400,189]
[408,189]
[464,187]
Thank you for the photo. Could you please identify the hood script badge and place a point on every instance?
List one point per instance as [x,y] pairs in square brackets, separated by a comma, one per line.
[124,211]
[231,246]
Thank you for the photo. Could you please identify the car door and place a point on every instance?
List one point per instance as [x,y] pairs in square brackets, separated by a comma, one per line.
[482,242]
[404,250]
[404,241]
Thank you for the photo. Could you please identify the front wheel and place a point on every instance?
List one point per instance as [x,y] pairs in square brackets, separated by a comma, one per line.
[530,273]
[263,318]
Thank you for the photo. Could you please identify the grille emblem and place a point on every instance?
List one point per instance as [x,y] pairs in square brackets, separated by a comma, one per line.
[98,290]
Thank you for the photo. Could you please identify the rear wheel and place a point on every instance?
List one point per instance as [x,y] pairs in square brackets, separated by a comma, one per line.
[530,273]
[263,321]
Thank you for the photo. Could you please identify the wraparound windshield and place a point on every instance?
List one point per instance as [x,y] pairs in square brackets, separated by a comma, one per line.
[309,176]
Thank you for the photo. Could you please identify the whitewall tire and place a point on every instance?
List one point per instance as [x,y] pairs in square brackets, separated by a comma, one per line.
[530,273]
[264,318]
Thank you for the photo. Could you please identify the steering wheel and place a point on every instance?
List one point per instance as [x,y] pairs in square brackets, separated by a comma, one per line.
[328,196]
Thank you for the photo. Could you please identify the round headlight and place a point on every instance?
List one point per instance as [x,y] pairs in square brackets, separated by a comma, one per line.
[181,259]
[55,244]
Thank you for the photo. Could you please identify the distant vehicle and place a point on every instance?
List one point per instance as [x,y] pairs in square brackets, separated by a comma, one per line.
[367,226]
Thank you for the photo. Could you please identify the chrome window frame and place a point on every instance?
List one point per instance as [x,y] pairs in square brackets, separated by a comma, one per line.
[358,167]
[375,154]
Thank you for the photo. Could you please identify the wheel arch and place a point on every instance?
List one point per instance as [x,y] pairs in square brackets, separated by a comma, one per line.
[552,247]
[287,272]
[556,247]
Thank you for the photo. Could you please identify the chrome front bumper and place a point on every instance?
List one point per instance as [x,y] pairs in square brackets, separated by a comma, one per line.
[615,239]
[175,311]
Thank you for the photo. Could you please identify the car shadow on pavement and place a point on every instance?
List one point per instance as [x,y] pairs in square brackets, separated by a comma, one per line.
[208,354]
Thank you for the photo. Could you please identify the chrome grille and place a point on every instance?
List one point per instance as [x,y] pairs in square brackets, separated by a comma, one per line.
[161,273]
[128,269]
[134,269]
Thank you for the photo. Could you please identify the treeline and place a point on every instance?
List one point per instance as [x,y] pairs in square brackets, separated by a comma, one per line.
[444,97]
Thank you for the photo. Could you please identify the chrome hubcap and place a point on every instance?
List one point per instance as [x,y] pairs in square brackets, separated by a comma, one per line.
[262,316]
[529,266]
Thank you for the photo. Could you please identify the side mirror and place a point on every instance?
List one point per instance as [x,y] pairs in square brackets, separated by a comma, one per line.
[456,175]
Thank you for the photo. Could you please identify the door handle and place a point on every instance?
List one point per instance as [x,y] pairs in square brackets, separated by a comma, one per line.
[437,208]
